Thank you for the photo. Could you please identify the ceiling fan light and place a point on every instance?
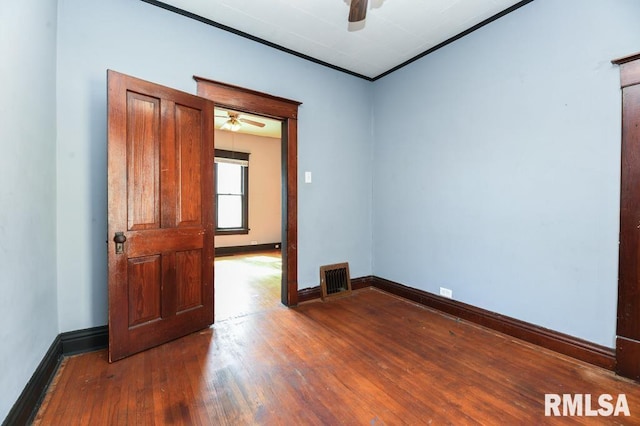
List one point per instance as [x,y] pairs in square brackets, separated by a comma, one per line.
[235,124]
[231,124]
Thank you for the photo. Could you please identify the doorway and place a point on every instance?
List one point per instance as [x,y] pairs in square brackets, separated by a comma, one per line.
[286,111]
[248,188]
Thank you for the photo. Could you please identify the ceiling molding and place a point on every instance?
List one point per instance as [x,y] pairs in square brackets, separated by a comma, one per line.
[251,37]
[326,64]
[455,37]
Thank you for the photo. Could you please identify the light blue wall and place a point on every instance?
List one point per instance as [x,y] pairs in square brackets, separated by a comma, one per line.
[500,178]
[138,39]
[27,192]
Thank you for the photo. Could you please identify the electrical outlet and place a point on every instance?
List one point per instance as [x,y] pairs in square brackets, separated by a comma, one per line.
[254,243]
[446,292]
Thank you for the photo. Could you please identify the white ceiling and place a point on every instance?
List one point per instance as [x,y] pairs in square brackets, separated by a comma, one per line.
[394,31]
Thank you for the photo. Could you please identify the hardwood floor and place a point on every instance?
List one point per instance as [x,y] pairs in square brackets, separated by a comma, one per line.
[367,359]
[247,283]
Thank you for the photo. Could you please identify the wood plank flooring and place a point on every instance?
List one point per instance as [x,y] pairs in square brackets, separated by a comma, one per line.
[247,283]
[367,359]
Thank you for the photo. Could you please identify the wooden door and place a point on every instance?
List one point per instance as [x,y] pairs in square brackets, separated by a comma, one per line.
[160,195]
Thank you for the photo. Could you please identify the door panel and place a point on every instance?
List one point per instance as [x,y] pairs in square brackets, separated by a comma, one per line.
[144,294]
[143,143]
[188,278]
[160,176]
[189,157]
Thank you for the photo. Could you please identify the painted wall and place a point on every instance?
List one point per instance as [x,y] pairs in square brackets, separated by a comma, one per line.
[501,182]
[28,192]
[138,39]
[265,187]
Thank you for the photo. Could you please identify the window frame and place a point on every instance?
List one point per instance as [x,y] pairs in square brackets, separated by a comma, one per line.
[233,155]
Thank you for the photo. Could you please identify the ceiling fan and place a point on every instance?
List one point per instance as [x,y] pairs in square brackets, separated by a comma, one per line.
[358,10]
[234,121]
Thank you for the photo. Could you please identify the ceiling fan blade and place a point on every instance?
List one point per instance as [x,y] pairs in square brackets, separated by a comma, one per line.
[222,116]
[358,10]
[253,123]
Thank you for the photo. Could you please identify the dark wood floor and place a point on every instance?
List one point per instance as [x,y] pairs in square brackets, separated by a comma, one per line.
[368,359]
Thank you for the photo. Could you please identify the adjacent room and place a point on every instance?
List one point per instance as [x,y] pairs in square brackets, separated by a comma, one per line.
[473,172]
[248,259]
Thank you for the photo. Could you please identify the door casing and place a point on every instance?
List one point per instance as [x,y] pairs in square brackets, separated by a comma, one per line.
[233,97]
[628,325]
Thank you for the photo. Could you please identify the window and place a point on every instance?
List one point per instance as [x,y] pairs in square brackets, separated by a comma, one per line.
[232,192]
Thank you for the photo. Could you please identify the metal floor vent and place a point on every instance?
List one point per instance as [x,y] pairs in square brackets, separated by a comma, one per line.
[335,280]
